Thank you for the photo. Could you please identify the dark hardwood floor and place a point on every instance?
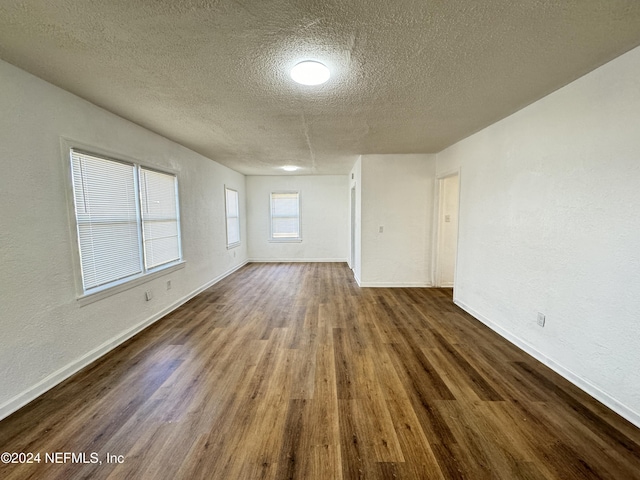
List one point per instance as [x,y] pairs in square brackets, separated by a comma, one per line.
[292,371]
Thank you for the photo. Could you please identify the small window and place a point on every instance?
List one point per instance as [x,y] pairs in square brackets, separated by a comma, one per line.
[233,217]
[285,217]
[126,217]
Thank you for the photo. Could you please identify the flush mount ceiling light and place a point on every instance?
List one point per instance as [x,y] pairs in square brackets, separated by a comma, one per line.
[290,168]
[310,72]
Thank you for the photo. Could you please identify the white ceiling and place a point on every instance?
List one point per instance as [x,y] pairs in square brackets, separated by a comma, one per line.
[409,76]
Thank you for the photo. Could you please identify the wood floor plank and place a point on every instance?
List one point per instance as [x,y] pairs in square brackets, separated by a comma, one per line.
[357,455]
[293,371]
[325,401]
[374,416]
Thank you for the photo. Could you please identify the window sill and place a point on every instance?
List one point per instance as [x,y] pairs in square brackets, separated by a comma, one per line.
[90,298]
[233,245]
[285,240]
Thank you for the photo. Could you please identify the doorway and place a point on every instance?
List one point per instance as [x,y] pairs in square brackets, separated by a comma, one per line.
[353,229]
[447,225]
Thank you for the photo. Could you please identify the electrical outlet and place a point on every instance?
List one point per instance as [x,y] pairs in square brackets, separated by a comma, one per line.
[168,284]
[148,295]
[541,319]
[381,229]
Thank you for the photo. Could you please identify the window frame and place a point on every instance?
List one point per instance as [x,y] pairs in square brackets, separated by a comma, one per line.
[297,239]
[87,296]
[231,245]
[139,168]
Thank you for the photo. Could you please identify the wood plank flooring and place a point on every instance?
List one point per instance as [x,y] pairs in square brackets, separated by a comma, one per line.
[292,371]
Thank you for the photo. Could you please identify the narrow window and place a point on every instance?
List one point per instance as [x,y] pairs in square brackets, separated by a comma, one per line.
[233,217]
[285,217]
[159,208]
[126,218]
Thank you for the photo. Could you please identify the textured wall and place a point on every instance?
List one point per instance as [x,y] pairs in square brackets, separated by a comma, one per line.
[549,223]
[324,204]
[397,194]
[45,333]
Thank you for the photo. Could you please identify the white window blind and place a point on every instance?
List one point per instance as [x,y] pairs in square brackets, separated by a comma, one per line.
[285,216]
[159,209]
[107,220]
[233,217]
[127,219]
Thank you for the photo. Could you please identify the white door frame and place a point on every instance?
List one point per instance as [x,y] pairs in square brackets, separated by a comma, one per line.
[352,253]
[437,228]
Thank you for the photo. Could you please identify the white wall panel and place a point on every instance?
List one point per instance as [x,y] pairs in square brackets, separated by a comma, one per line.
[46,333]
[549,222]
[324,204]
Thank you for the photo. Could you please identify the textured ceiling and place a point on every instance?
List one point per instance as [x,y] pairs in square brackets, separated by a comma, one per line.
[409,76]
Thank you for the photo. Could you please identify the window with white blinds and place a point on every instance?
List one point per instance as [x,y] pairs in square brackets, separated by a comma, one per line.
[233,217]
[285,216]
[159,208]
[127,219]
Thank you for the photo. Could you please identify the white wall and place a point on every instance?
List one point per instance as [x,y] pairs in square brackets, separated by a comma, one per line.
[397,193]
[550,222]
[324,215]
[46,334]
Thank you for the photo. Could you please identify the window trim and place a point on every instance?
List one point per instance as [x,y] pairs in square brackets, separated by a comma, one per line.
[85,297]
[128,283]
[297,239]
[226,218]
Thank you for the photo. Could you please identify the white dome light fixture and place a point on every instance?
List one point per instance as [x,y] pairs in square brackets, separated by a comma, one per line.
[310,72]
[290,168]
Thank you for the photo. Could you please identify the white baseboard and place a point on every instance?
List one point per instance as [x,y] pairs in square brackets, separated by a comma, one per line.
[65,372]
[390,284]
[297,260]
[580,382]
[394,284]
